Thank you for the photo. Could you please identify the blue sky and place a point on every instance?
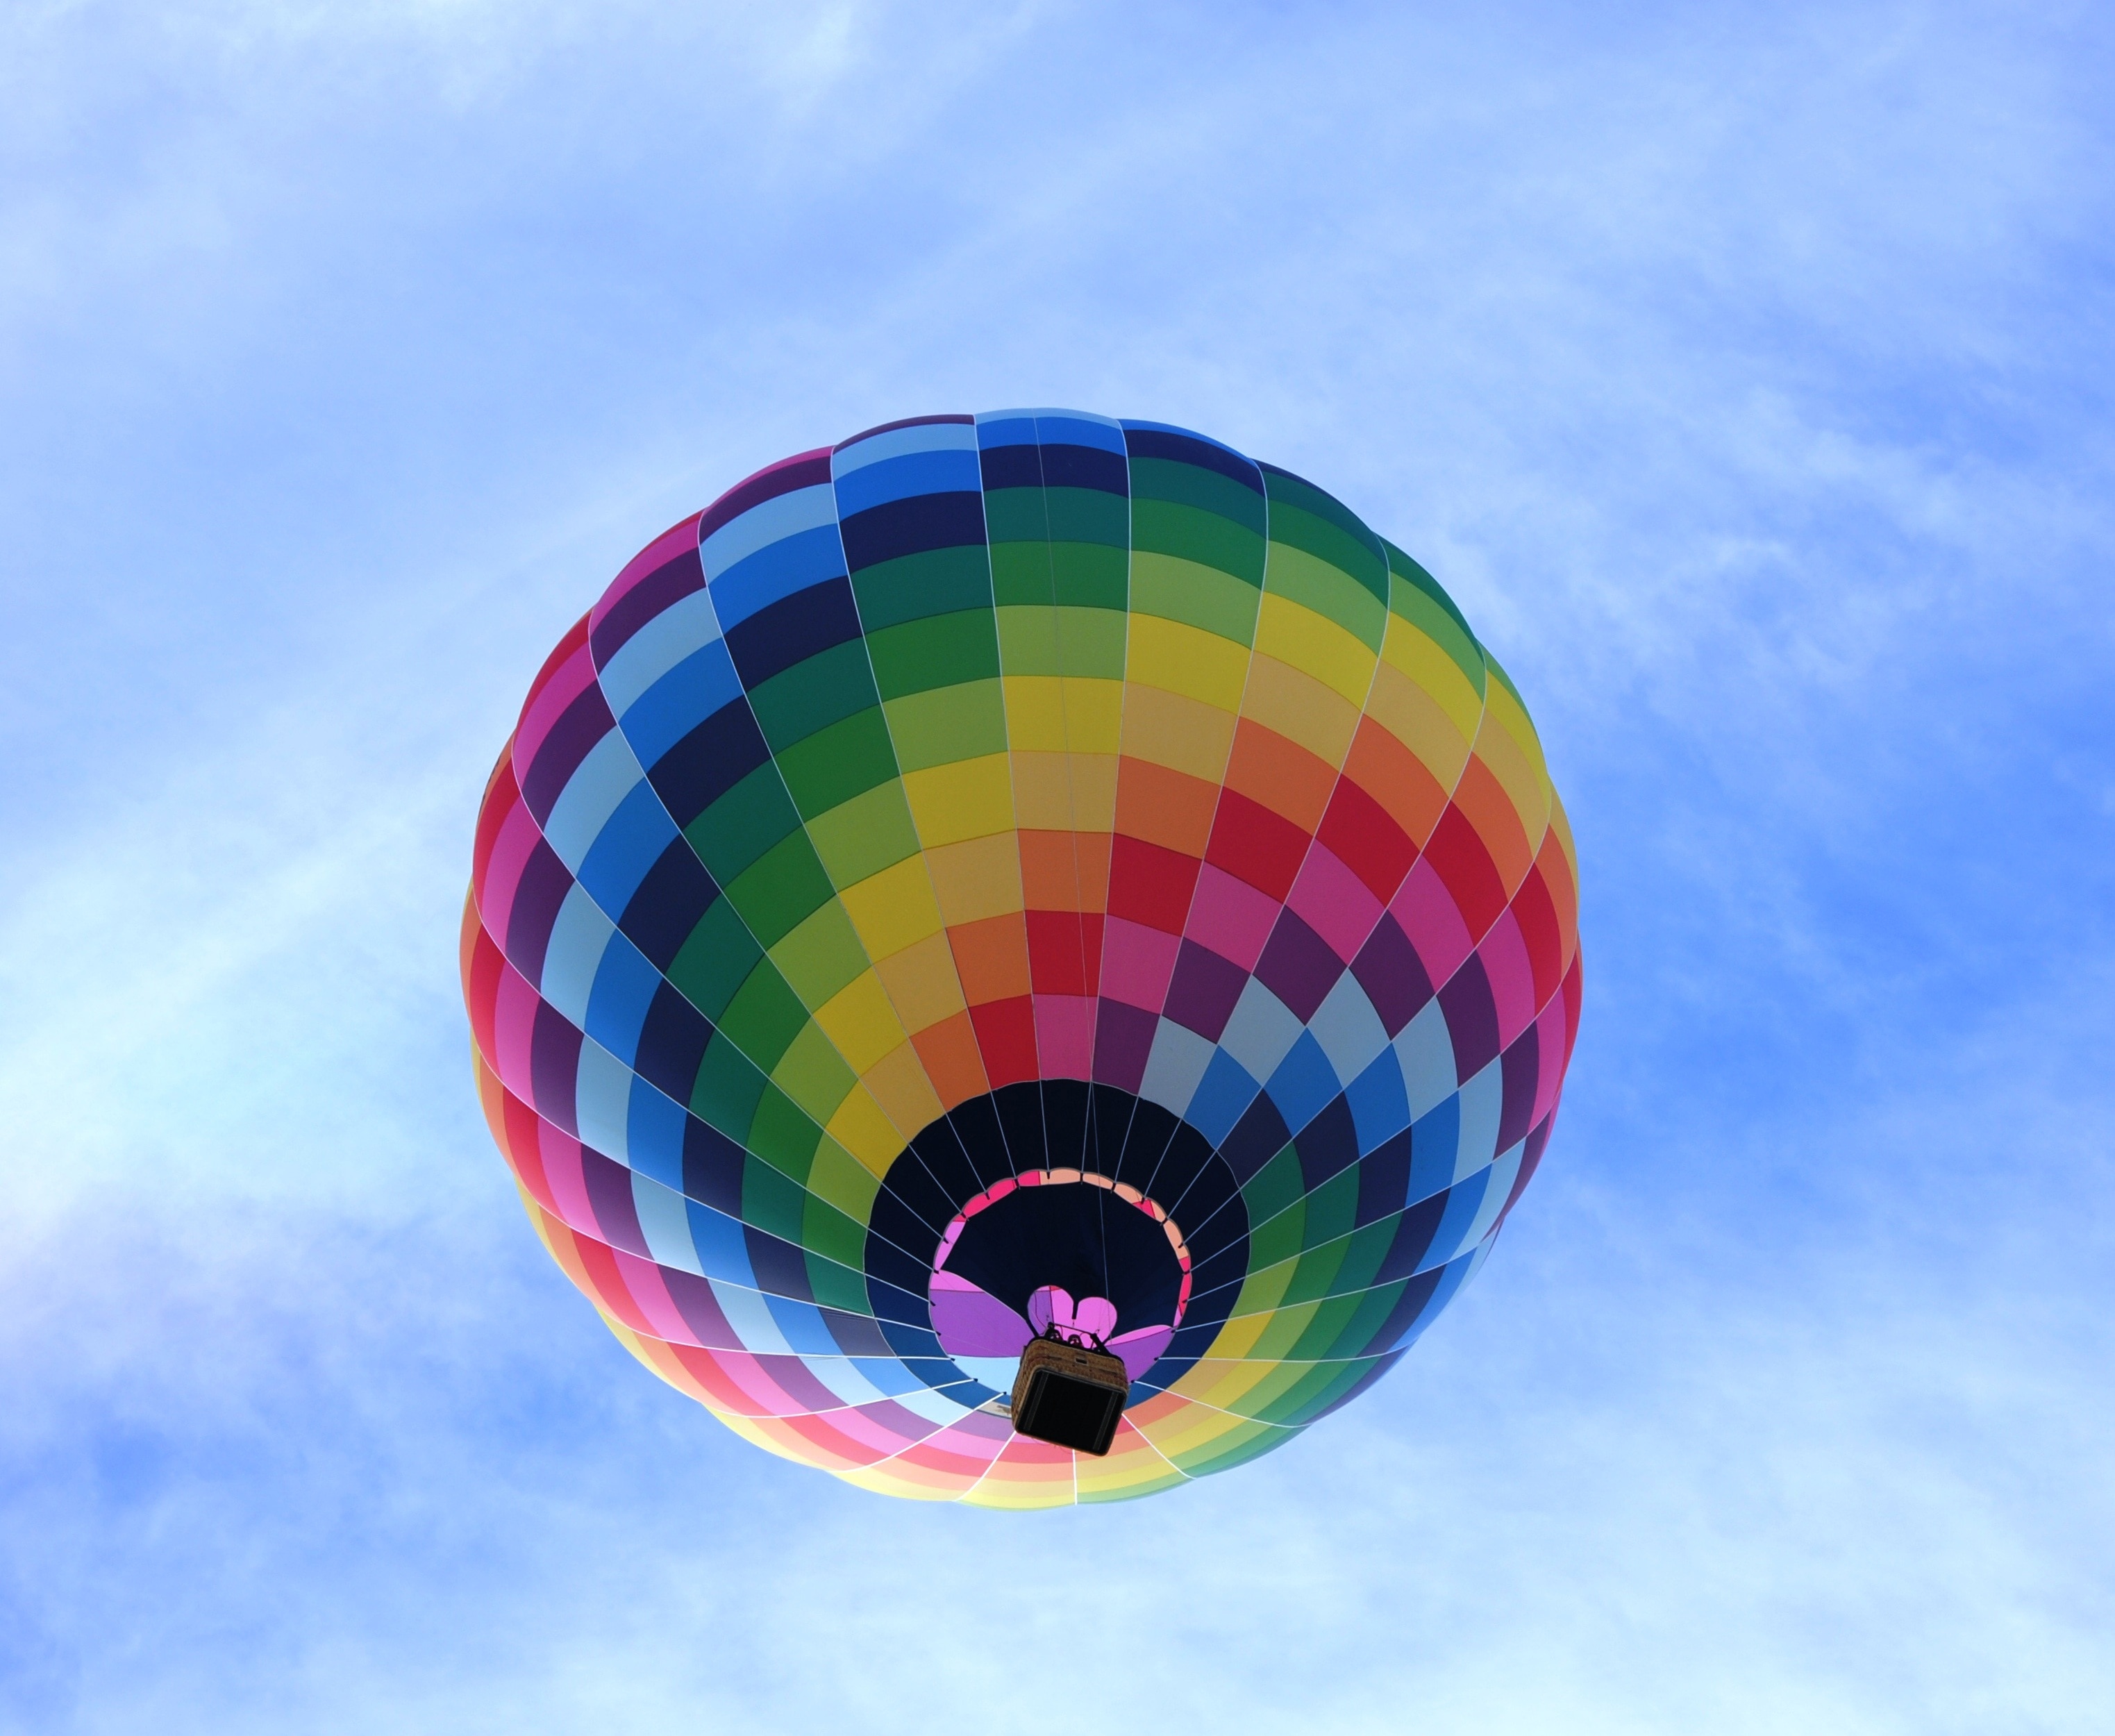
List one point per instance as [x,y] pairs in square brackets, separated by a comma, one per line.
[1746,374]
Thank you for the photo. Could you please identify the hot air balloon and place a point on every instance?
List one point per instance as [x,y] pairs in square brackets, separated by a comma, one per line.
[1021,959]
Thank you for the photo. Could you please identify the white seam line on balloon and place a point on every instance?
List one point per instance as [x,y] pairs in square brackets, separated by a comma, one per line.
[924,861]
[598,1234]
[1108,875]
[1288,1429]
[1469,754]
[621,1330]
[1220,1410]
[1263,580]
[1123,716]
[1481,1171]
[807,832]
[1052,1158]
[1078,874]
[962,1495]
[1062,678]
[1131,555]
[600,1237]
[1372,677]
[772,759]
[938,1430]
[1088,1130]
[1249,1363]
[529,1103]
[616,924]
[1013,806]
[946,1114]
[616,917]
[1013,784]
[1233,729]
[1365,1289]
[1146,1440]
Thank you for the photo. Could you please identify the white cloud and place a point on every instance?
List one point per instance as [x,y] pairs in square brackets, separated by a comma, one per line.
[1743,379]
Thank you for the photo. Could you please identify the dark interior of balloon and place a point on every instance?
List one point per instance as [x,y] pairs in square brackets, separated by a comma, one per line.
[1078,1239]
[1055,1209]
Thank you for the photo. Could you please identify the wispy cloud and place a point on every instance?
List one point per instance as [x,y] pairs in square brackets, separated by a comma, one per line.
[354,1470]
[1745,379]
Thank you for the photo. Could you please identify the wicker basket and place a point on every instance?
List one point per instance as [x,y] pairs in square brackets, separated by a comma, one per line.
[1069,1395]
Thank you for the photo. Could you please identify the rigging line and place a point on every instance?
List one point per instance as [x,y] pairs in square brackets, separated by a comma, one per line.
[1101,1194]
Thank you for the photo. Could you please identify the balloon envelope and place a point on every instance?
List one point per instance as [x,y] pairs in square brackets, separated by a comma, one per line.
[1009,872]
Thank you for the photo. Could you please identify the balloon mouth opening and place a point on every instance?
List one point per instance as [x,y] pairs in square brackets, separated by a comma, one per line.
[1069,1253]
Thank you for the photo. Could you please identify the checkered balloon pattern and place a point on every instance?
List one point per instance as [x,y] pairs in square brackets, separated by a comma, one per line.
[1019,872]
